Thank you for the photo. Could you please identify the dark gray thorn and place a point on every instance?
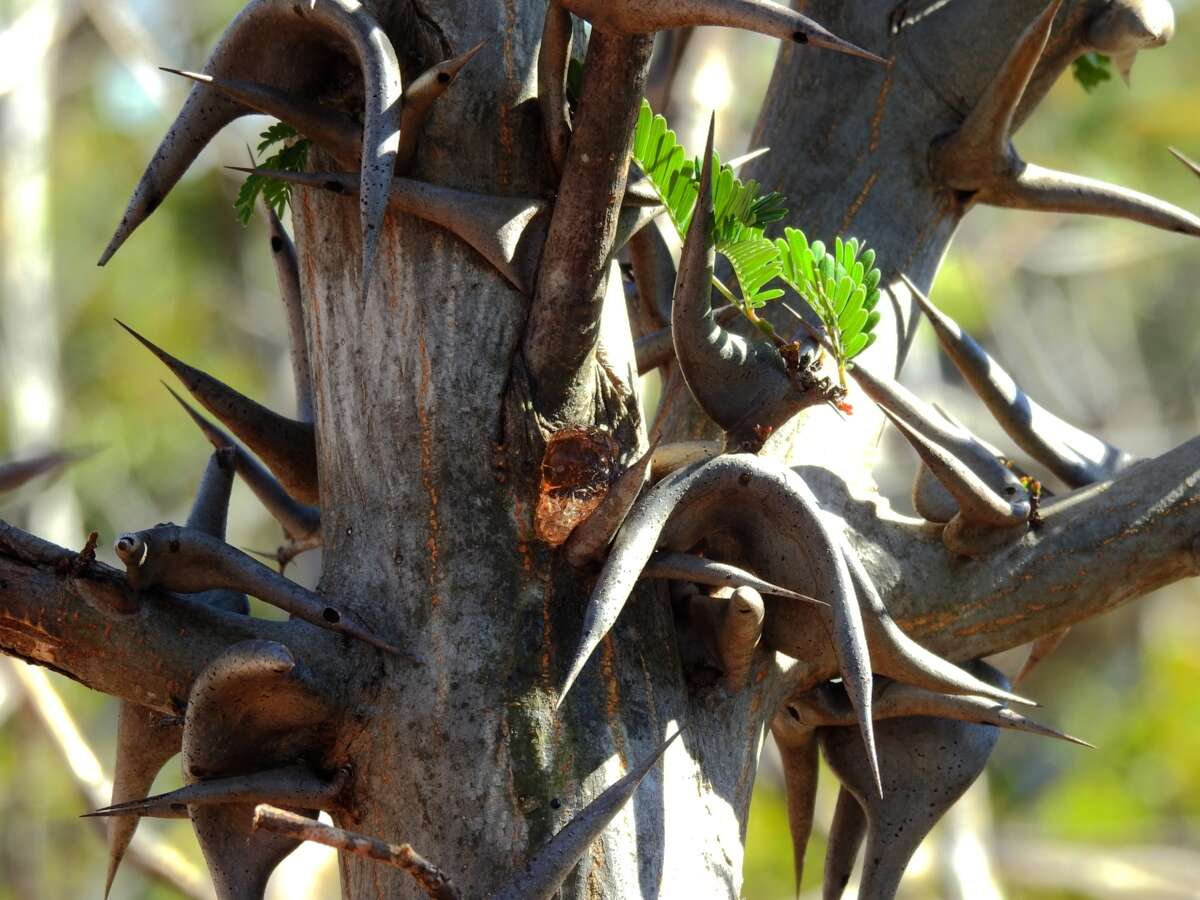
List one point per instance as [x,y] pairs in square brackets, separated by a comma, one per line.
[698,569]
[921,418]
[694,498]
[545,872]
[419,98]
[1075,456]
[798,751]
[334,131]
[654,350]
[591,537]
[144,745]
[895,654]
[285,786]
[251,709]
[301,522]
[976,500]
[761,16]
[189,562]
[936,760]
[287,276]
[1042,647]
[739,632]
[207,111]
[742,384]
[501,229]
[288,447]
[846,833]
[16,473]
[554,54]
[208,515]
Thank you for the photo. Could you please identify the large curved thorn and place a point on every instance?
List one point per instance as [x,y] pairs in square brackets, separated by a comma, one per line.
[846,833]
[1042,647]
[761,16]
[798,751]
[188,562]
[895,654]
[253,708]
[1075,456]
[554,54]
[333,131]
[246,51]
[286,786]
[287,276]
[978,159]
[922,419]
[976,501]
[697,569]
[15,474]
[677,454]
[300,521]
[738,635]
[545,872]
[741,384]
[500,229]
[1193,166]
[693,501]
[144,745]
[288,447]
[592,536]
[419,97]
[935,761]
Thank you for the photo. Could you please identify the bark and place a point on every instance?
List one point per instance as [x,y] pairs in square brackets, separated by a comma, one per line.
[429,438]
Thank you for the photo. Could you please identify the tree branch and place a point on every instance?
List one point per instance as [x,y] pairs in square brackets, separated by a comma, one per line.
[65,613]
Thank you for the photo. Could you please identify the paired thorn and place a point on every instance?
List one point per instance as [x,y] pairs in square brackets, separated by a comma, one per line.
[188,561]
[992,492]
[301,523]
[1042,647]
[545,872]
[1192,165]
[978,159]
[245,47]
[846,833]
[554,55]
[761,16]
[1075,456]
[742,384]
[14,474]
[689,505]
[738,635]
[500,229]
[431,879]
[288,447]
[798,752]
[287,276]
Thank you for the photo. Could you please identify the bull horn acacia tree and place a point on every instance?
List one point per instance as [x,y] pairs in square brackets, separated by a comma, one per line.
[438,382]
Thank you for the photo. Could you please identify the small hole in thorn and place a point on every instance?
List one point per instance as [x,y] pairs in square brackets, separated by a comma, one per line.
[331,615]
[799,37]
[443,77]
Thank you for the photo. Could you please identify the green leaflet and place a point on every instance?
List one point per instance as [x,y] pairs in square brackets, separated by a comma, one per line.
[278,194]
[840,283]
[1091,70]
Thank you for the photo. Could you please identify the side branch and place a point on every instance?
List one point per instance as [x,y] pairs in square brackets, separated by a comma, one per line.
[66,613]
[1096,548]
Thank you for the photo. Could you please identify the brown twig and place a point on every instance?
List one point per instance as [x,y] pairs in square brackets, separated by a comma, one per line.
[401,856]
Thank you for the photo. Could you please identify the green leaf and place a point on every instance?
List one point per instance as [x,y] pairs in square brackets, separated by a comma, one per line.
[1091,70]
[277,194]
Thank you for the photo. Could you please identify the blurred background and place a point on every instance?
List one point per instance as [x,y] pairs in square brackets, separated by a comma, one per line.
[1097,319]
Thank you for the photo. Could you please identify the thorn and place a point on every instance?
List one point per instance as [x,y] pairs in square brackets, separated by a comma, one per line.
[738,636]
[1193,166]
[846,833]
[1075,456]
[546,870]
[761,16]
[798,753]
[419,97]
[287,447]
[1042,647]
[591,537]
[697,569]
